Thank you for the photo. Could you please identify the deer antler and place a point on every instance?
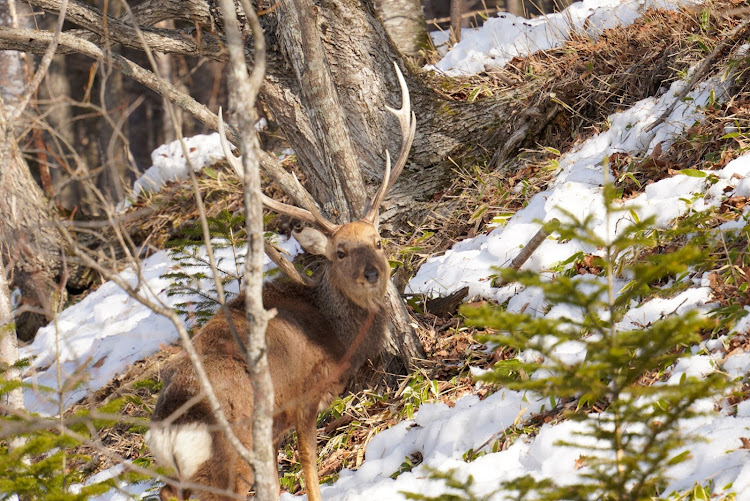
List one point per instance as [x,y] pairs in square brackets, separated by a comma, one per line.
[408,123]
[309,214]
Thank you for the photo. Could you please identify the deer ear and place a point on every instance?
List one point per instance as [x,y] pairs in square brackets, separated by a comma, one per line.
[313,241]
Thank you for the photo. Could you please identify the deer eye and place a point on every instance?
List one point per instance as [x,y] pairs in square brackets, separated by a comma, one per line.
[341,254]
[378,244]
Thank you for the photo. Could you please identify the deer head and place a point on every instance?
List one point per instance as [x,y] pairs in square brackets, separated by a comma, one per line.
[358,267]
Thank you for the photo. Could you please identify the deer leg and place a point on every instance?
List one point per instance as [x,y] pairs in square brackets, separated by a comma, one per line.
[243,477]
[308,450]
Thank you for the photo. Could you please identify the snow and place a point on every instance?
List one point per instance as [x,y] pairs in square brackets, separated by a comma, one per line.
[168,163]
[577,190]
[108,330]
[506,36]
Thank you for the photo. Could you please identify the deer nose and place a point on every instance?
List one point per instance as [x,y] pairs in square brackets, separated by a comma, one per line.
[371,274]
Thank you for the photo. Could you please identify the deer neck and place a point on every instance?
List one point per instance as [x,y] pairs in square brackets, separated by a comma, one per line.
[363,333]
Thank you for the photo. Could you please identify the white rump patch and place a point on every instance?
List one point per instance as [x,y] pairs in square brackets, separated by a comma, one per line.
[181,447]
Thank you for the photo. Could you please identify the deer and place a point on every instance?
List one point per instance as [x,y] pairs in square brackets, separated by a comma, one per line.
[324,330]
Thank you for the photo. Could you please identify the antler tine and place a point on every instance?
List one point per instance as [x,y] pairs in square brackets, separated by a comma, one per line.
[299,213]
[407,121]
[309,214]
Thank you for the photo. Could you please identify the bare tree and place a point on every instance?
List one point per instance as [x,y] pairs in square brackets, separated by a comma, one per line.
[13,399]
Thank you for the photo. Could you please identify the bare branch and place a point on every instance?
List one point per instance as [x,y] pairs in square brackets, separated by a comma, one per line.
[243,97]
[529,249]
[95,23]
[25,39]
[288,268]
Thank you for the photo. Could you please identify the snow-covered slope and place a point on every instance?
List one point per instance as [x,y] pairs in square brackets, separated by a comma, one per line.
[505,36]
[109,330]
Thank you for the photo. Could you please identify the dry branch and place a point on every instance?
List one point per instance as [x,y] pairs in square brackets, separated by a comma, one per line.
[529,249]
[96,27]
[243,98]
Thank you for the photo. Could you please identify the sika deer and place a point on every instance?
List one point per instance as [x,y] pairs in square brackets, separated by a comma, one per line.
[321,334]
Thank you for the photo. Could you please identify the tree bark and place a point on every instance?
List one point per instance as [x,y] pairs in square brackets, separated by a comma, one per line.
[338,169]
[331,148]
[405,24]
[13,399]
[360,56]
[28,242]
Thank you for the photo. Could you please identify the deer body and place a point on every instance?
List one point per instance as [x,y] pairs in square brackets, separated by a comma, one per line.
[322,333]
[319,336]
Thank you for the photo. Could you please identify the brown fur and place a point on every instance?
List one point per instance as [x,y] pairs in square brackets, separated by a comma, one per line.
[320,335]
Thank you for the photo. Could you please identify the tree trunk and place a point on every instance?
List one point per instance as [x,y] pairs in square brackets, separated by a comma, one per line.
[13,399]
[457,20]
[360,57]
[334,165]
[404,22]
[28,240]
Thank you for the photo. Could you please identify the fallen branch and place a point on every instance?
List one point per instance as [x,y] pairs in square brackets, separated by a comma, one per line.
[527,251]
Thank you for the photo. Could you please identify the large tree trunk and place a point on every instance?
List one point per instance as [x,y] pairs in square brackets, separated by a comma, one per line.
[404,21]
[333,158]
[28,240]
[360,57]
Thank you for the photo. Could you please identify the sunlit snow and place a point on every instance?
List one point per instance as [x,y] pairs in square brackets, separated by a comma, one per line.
[505,36]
